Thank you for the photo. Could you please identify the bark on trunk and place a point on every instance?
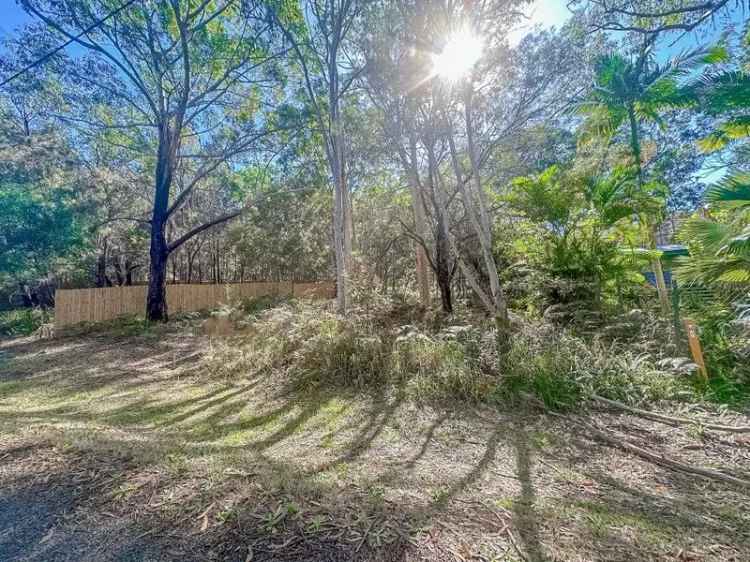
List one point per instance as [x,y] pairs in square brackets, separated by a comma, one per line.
[482,224]
[420,226]
[156,302]
[446,297]
[339,213]
[443,263]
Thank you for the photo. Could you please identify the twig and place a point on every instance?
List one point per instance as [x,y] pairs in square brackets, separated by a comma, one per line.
[514,543]
[655,458]
[670,419]
[364,535]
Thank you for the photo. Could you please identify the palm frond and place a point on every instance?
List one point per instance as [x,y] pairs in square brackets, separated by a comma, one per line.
[710,235]
[732,192]
[714,269]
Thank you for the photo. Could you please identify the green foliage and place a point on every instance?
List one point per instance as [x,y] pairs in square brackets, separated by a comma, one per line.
[720,245]
[562,369]
[724,344]
[436,363]
[582,221]
[23,322]
[35,229]
[256,305]
[633,89]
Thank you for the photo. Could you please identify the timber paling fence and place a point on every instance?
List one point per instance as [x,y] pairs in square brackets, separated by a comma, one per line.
[74,306]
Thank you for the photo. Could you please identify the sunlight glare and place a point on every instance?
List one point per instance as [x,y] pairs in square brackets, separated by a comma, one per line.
[460,54]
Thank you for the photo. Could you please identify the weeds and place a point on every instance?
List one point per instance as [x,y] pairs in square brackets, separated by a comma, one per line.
[428,362]
[23,322]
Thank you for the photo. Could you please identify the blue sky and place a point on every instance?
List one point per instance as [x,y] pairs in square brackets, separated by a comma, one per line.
[11,17]
[545,13]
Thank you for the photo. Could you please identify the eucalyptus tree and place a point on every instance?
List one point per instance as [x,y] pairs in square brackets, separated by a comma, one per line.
[397,84]
[28,100]
[503,91]
[184,83]
[651,17]
[319,33]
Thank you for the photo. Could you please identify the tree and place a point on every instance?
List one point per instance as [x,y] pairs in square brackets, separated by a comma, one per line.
[505,91]
[720,243]
[651,17]
[183,81]
[719,240]
[318,32]
[627,93]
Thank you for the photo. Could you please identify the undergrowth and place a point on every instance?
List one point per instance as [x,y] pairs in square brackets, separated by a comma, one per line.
[438,361]
[23,322]
[726,349]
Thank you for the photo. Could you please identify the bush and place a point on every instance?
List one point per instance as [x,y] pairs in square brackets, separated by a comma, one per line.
[342,353]
[725,343]
[23,322]
[561,369]
[315,349]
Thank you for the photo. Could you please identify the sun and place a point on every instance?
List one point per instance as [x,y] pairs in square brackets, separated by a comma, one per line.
[460,54]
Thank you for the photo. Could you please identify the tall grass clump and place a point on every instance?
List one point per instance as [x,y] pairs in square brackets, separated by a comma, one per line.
[344,353]
[561,370]
[445,367]
[312,349]
[23,322]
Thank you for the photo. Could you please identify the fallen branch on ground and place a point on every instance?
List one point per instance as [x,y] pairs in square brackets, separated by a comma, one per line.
[671,420]
[616,441]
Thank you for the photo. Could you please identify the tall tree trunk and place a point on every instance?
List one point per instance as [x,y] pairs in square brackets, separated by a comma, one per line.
[443,262]
[635,145]
[101,265]
[420,224]
[156,302]
[339,215]
[348,216]
[482,224]
[443,266]
[128,273]
[446,297]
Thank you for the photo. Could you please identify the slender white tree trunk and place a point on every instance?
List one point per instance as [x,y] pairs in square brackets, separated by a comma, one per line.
[475,204]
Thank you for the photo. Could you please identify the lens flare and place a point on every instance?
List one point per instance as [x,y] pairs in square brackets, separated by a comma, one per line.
[460,54]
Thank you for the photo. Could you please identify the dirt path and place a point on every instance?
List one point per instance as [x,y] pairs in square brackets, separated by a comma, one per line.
[134,448]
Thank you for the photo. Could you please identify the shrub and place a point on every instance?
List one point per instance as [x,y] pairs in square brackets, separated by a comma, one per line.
[315,349]
[442,369]
[725,343]
[561,369]
[341,353]
[23,322]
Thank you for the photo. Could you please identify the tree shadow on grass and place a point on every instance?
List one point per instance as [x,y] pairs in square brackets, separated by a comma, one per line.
[525,515]
[273,434]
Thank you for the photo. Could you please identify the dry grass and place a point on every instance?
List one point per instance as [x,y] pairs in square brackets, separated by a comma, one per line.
[192,448]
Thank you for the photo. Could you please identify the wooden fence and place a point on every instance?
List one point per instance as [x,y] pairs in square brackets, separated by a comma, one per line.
[73,306]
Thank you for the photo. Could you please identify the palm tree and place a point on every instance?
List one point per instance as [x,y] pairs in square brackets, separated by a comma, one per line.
[720,252]
[628,93]
[720,247]
[724,91]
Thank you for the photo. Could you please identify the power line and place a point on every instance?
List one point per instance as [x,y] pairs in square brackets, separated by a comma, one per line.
[43,58]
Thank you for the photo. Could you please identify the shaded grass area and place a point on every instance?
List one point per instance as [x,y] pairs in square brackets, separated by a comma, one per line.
[218,448]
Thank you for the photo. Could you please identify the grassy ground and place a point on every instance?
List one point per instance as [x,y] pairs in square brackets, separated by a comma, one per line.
[164,444]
